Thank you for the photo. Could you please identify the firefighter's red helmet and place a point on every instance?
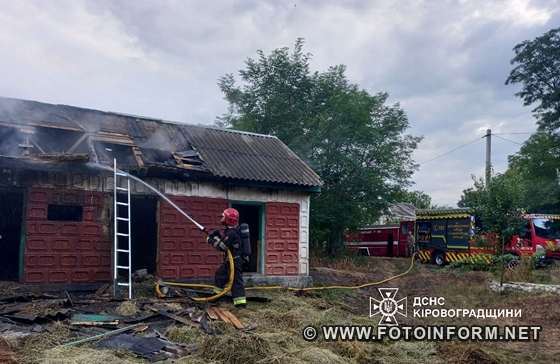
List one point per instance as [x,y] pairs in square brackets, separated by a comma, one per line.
[230,217]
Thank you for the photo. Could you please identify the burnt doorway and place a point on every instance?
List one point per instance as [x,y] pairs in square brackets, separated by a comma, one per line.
[11,216]
[144,232]
[253,215]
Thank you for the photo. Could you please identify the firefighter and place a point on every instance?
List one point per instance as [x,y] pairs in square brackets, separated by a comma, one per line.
[230,239]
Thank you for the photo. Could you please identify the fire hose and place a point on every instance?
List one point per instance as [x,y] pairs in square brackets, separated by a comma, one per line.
[223,291]
[229,256]
[279,287]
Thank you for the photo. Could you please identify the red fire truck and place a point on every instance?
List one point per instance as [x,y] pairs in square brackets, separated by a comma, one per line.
[542,235]
[390,240]
[445,236]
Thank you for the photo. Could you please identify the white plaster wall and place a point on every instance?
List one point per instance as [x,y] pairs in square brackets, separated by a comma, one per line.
[304,208]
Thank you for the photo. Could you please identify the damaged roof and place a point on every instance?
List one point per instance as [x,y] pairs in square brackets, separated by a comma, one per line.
[139,142]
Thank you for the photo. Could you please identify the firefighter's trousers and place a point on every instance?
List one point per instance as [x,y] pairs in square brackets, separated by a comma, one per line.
[238,288]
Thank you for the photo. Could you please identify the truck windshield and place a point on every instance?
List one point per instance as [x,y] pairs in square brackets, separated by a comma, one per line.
[546,228]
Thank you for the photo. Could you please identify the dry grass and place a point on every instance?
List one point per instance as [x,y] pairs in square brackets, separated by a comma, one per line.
[239,349]
[127,308]
[523,272]
[277,337]
[403,352]
[144,289]
[318,355]
[184,334]
[85,355]
[465,353]
[34,346]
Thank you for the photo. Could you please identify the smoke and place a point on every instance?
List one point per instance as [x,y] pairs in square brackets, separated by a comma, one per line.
[17,135]
[22,113]
[11,138]
[159,140]
[10,109]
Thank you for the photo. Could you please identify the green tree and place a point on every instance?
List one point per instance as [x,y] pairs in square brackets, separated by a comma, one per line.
[537,70]
[354,140]
[499,206]
[276,96]
[537,165]
[419,199]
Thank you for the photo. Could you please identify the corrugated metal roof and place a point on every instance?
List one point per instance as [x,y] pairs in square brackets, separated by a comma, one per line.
[248,156]
[403,210]
[225,153]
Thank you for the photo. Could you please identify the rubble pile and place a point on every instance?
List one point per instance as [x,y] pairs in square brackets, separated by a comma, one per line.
[148,328]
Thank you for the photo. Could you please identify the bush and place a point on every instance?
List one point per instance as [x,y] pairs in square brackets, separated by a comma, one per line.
[469,266]
[505,259]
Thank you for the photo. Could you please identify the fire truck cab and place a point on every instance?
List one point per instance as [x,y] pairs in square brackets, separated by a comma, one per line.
[542,234]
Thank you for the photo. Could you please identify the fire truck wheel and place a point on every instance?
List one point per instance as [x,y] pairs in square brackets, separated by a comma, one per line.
[439,259]
[512,263]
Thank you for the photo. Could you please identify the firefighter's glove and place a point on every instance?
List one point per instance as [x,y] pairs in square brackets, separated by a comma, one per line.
[216,242]
[219,244]
[212,236]
[214,233]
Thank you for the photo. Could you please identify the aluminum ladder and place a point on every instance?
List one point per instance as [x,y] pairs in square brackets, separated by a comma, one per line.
[122,234]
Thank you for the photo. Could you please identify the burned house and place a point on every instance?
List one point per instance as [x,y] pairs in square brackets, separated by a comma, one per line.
[56,204]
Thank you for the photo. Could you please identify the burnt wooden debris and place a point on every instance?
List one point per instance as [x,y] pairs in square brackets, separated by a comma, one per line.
[93,317]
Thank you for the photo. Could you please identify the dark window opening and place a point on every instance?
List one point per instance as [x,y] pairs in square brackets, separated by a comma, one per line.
[106,152]
[11,217]
[65,213]
[251,215]
[59,141]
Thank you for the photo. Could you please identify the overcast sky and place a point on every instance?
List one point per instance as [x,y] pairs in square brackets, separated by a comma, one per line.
[445,62]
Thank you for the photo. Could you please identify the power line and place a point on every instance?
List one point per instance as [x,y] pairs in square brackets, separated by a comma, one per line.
[508,140]
[518,133]
[524,133]
[450,151]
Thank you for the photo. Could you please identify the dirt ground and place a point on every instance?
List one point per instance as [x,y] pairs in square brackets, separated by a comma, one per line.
[467,289]
[275,327]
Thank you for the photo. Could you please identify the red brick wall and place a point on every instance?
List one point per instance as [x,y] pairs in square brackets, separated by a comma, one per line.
[282,238]
[183,251]
[67,251]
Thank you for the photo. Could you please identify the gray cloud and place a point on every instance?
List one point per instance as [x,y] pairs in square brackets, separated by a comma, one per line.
[445,62]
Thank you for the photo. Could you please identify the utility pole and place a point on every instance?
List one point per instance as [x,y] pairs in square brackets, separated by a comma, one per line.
[488,137]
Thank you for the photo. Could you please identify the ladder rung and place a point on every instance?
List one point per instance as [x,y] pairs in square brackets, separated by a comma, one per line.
[122,218]
[122,284]
[123,267]
[122,189]
[122,203]
[122,234]
[123,250]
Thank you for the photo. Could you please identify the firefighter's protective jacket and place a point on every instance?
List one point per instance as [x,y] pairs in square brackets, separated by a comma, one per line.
[232,240]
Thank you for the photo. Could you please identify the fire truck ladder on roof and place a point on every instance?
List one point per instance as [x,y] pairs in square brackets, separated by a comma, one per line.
[122,239]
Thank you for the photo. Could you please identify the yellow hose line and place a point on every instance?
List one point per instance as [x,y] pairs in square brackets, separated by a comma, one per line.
[341,287]
[230,283]
[226,289]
